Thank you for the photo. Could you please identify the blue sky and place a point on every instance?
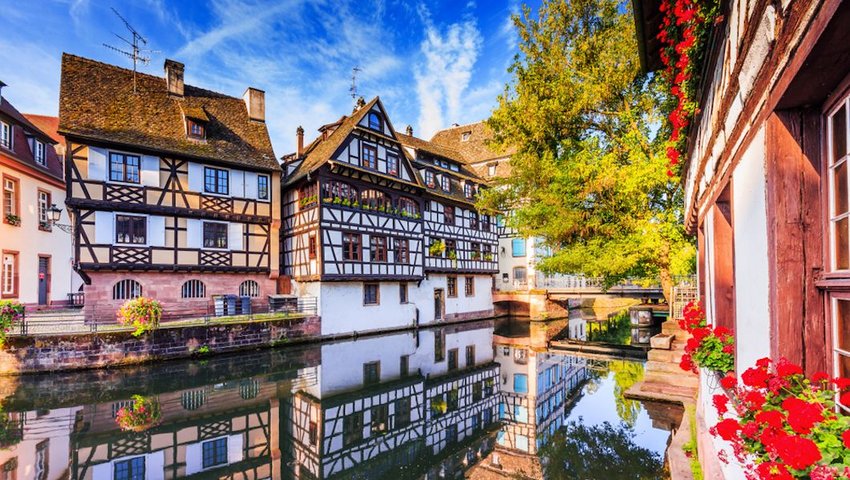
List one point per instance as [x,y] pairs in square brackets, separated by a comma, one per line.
[432,63]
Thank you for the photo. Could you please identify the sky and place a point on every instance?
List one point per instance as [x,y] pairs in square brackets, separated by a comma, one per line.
[433,63]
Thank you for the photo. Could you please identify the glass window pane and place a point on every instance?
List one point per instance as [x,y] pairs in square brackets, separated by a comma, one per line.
[840,188]
[842,245]
[842,324]
[843,366]
[839,134]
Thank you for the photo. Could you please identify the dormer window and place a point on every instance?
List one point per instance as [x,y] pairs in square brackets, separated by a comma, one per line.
[429,179]
[375,121]
[468,190]
[491,169]
[5,135]
[464,137]
[196,129]
[446,183]
[39,153]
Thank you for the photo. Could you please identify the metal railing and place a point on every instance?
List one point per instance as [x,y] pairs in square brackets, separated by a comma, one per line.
[104,318]
[568,281]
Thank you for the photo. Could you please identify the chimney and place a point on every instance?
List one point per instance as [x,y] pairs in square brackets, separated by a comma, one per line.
[299,136]
[1,89]
[174,77]
[455,125]
[360,103]
[255,101]
[409,131]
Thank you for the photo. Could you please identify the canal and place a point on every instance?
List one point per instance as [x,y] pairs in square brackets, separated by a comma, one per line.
[473,400]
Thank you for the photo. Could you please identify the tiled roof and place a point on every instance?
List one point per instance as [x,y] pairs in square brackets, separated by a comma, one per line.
[47,124]
[96,102]
[21,152]
[476,148]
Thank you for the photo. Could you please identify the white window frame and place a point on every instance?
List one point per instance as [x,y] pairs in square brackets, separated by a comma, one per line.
[268,196]
[13,201]
[115,230]
[7,138]
[44,203]
[204,182]
[41,157]
[7,275]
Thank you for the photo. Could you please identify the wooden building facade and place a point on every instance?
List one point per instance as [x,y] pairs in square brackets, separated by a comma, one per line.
[766,183]
[173,189]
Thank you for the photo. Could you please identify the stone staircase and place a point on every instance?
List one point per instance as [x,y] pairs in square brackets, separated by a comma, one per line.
[663,378]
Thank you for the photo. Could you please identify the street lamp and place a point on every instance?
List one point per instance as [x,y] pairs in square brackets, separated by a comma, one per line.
[55,216]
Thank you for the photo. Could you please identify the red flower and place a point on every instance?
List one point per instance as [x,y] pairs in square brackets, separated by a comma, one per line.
[842,383]
[700,333]
[692,344]
[822,472]
[719,402]
[728,382]
[802,415]
[750,429]
[845,437]
[754,399]
[771,435]
[784,368]
[730,349]
[776,384]
[773,418]
[763,362]
[722,331]
[686,363]
[820,377]
[755,377]
[844,399]
[798,452]
[669,173]
[727,429]
[773,471]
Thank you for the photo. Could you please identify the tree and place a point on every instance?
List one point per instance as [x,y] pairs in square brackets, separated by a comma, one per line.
[589,175]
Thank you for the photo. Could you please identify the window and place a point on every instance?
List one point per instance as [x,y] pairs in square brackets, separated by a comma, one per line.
[451,286]
[351,246]
[402,412]
[464,137]
[392,165]
[193,289]
[408,207]
[380,418]
[429,179]
[402,292]
[477,391]
[519,274]
[126,290]
[40,157]
[520,383]
[307,195]
[11,199]
[216,180]
[402,250]
[470,355]
[469,286]
[475,250]
[44,206]
[445,183]
[473,220]
[840,212]
[452,400]
[518,247]
[249,288]
[375,200]
[439,346]
[467,190]
[379,248]
[374,121]
[449,215]
[42,460]
[352,429]
[215,235]
[263,187]
[131,229]
[451,248]
[485,223]
[311,247]
[452,359]
[371,294]
[491,169]
[371,373]
[404,365]
[5,135]
[214,452]
[132,469]
[9,280]
[124,168]
[195,129]
[339,193]
[370,157]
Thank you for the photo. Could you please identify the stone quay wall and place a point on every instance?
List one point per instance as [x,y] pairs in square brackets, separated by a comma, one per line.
[97,350]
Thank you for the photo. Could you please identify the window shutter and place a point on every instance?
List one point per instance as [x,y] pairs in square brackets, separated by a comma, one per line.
[196,177]
[97,164]
[234,448]
[150,171]
[156,231]
[155,465]
[251,185]
[194,459]
[237,184]
[234,237]
[104,227]
[193,233]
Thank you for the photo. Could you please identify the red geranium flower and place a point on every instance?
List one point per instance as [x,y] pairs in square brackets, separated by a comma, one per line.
[845,399]
[845,437]
[822,472]
[750,429]
[802,415]
[820,377]
[798,452]
[763,362]
[773,471]
[784,368]
[773,418]
[686,363]
[719,402]
[754,399]
[755,377]
[842,383]
[728,381]
[727,429]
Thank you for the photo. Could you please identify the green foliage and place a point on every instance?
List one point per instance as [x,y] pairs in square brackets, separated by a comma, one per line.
[690,447]
[142,414]
[141,313]
[626,374]
[10,312]
[10,431]
[437,248]
[711,355]
[589,175]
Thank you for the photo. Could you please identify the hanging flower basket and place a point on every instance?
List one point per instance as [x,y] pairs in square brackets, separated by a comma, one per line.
[711,348]
[141,313]
[10,312]
[142,415]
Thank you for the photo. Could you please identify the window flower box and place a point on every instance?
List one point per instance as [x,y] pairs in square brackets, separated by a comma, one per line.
[13,220]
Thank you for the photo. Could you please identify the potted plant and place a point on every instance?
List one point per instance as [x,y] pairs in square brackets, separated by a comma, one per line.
[488,257]
[141,313]
[711,348]
[141,415]
[13,220]
[438,406]
[452,255]
[10,312]
[437,248]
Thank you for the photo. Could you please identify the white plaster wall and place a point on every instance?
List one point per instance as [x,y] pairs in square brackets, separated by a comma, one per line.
[507,262]
[342,362]
[55,427]
[751,249]
[30,242]
[423,360]
[342,309]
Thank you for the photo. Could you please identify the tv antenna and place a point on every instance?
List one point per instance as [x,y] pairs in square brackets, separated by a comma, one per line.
[137,53]
[353,89]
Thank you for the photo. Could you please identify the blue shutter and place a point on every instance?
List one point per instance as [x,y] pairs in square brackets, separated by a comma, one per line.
[520,383]
[518,247]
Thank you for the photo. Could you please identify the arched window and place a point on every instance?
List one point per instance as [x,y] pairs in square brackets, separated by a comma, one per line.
[375,200]
[126,290]
[374,121]
[193,400]
[338,192]
[193,289]
[249,288]
[408,207]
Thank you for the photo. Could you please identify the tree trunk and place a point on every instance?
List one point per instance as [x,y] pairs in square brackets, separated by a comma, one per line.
[666,285]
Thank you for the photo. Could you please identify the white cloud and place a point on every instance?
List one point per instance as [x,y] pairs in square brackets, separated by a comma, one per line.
[444,76]
[22,63]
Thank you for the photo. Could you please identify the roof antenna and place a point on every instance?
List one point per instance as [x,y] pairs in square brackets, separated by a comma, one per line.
[138,53]
[353,89]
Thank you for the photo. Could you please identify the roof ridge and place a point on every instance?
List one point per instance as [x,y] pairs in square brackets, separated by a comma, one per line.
[459,126]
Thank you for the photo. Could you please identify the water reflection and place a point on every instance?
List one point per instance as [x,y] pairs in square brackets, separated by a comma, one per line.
[440,403]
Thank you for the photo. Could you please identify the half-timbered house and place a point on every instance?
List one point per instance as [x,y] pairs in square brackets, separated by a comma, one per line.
[460,241]
[354,234]
[173,188]
[766,185]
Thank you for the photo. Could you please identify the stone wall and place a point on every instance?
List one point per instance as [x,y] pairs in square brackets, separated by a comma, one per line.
[78,351]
